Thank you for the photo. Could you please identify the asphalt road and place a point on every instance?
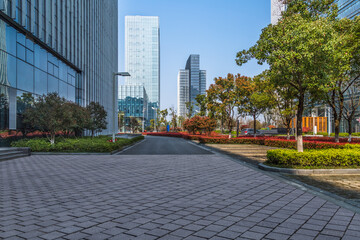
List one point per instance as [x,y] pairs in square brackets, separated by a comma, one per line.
[153,145]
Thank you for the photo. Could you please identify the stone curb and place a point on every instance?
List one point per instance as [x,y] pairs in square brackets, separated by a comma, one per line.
[309,171]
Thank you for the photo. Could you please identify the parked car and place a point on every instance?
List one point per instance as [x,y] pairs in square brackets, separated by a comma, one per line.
[249,131]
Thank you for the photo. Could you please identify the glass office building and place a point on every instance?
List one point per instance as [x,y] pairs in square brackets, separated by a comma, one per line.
[142,56]
[183,91]
[67,47]
[348,8]
[192,85]
[133,102]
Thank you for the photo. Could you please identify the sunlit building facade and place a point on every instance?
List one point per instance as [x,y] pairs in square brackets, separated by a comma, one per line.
[142,56]
[67,47]
[183,91]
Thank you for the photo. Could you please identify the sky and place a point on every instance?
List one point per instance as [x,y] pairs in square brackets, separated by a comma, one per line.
[215,29]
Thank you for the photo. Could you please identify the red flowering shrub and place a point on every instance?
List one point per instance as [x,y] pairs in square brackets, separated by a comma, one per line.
[306,129]
[200,124]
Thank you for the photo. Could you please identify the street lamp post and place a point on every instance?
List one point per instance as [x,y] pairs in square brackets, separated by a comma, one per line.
[123,74]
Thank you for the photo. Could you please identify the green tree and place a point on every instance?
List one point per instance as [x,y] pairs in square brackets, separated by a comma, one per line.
[47,115]
[97,117]
[296,49]
[173,118]
[163,114]
[344,70]
[77,118]
[201,103]
[189,109]
[134,124]
[152,124]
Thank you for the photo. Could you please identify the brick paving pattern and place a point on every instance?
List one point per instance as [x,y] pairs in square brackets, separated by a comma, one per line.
[159,197]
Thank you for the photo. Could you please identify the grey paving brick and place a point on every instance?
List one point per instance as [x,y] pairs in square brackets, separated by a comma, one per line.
[150,197]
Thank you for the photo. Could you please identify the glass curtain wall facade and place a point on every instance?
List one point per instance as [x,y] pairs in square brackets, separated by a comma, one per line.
[183,92]
[133,102]
[142,56]
[68,47]
[348,8]
[197,79]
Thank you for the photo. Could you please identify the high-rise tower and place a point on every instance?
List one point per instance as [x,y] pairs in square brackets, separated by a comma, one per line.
[191,82]
[142,56]
[67,47]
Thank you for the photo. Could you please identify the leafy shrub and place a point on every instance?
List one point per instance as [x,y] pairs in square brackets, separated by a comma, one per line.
[314,158]
[99,144]
[282,143]
[306,129]
[340,134]
[200,124]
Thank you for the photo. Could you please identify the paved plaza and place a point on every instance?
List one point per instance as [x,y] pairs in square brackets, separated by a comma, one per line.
[177,196]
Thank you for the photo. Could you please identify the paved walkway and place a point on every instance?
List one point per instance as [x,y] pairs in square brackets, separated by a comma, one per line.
[159,197]
[247,152]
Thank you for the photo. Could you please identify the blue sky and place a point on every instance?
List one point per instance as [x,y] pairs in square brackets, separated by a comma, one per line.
[215,29]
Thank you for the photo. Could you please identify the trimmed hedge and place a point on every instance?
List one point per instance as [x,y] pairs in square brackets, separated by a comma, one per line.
[280,142]
[314,158]
[101,144]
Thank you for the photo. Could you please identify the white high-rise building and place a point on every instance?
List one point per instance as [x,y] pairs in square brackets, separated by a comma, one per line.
[277,7]
[142,56]
[183,91]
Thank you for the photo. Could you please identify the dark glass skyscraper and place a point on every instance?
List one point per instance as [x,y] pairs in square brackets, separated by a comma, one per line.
[195,86]
[67,47]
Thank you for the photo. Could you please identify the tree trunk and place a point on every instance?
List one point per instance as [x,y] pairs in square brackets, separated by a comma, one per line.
[288,132]
[350,129]
[237,128]
[52,138]
[337,128]
[92,133]
[300,110]
[254,124]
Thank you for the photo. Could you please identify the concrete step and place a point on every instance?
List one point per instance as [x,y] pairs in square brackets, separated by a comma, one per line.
[11,153]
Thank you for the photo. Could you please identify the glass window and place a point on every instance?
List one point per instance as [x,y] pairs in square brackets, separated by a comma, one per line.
[62,71]
[53,84]
[71,93]
[21,38]
[30,56]
[63,89]
[40,82]
[50,68]
[40,58]
[56,71]
[11,70]
[10,40]
[25,76]
[20,51]
[29,44]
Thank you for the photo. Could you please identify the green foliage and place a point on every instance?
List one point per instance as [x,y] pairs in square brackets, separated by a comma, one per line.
[317,158]
[97,117]
[201,103]
[49,114]
[163,114]
[101,144]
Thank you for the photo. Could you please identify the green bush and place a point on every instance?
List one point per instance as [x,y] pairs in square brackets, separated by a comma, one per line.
[99,144]
[314,158]
[340,134]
